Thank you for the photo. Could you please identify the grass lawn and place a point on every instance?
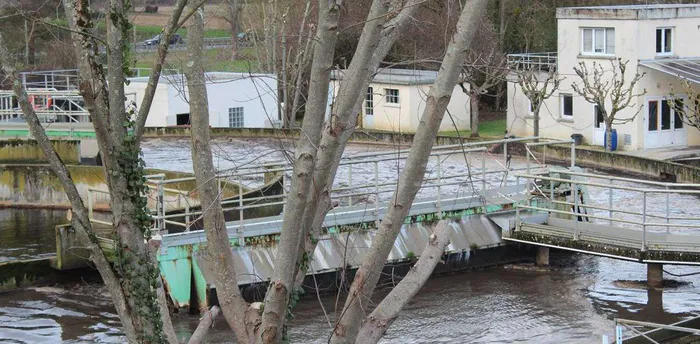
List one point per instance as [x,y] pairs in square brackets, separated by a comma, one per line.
[144,32]
[492,128]
[215,60]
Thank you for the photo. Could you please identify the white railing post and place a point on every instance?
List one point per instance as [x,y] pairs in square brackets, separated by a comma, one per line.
[376,190]
[644,221]
[439,186]
[284,190]
[527,158]
[483,172]
[187,217]
[668,211]
[574,192]
[350,185]
[517,208]
[161,207]
[610,201]
[618,333]
[241,240]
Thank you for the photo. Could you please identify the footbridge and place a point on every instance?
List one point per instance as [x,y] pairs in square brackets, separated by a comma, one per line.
[643,221]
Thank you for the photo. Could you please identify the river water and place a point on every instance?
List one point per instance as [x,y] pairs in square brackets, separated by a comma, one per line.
[573,302]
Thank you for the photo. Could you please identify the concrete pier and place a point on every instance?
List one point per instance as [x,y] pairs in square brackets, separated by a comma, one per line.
[655,275]
[542,257]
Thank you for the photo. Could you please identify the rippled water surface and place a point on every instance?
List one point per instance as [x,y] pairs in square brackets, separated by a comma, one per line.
[574,302]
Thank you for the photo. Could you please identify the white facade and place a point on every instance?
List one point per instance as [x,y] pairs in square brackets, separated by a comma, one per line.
[235,100]
[396,98]
[654,39]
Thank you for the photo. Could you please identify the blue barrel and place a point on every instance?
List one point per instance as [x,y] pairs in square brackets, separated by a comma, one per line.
[614,140]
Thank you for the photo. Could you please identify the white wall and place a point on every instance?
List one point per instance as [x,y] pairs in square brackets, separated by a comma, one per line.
[634,40]
[257,95]
[405,116]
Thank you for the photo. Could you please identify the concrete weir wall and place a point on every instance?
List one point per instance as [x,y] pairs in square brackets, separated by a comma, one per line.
[32,185]
[27,151]
[612,161]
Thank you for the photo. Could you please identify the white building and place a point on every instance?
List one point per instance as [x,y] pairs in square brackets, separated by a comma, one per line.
[662,41]
[235,100]
[396,98]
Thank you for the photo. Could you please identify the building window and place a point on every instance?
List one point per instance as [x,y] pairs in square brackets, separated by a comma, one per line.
[599,41]
[392,95]
[599,118]
[182,119]
[369,102]
[678,114]
[567,105]
[235,117]
[653,124]
[664,41]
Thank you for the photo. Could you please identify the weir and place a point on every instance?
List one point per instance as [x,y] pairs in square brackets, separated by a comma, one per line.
[492,205]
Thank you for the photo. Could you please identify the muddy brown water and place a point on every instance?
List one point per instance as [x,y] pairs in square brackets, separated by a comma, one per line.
[574,302]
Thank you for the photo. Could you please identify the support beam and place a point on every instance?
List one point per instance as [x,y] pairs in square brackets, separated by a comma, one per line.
[542,257]
[655,275]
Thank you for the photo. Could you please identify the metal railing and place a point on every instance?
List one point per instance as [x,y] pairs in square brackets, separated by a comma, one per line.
[361,179]
[645,220]
[533,61]
[68,79]
[645,330]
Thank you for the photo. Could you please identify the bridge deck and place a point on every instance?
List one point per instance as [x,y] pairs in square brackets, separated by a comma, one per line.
[612,241]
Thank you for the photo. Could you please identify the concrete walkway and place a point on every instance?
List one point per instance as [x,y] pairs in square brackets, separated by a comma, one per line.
[666,153]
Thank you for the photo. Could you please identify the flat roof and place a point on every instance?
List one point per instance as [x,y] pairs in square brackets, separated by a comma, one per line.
[209,76]
[630,12]
[396,76]
[688,69]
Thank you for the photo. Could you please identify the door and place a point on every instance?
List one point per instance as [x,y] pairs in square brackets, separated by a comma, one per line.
[598,127]
[663,126]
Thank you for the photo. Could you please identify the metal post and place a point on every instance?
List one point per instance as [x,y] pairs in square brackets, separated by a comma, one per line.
[527,158]
[644,221]
[517,209]
[618,334]
[376,191]
[284,190]
[240,211]
[505,154]
[161,207]
[610,202]
[350,184]
[551,194]
[187,216]
[668,211]
[439,187]
[483,173]
[574,192]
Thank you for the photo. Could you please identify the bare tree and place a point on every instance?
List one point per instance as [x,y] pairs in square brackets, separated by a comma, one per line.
[536,90]
[485,68]
[601,88]
[410,180]
[234,20]
[687,104]
[132,278]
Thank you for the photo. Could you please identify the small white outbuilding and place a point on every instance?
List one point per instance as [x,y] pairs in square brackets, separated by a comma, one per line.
[236,100]
[396,98]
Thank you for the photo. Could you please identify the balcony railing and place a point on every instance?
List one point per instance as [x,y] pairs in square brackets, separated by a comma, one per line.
[537,61]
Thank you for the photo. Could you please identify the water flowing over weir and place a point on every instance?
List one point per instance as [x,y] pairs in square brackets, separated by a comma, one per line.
[573,303]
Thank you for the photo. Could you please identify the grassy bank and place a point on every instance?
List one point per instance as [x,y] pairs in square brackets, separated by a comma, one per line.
[490,128]
[218,60]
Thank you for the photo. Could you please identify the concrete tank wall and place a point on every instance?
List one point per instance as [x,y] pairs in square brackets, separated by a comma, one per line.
[27,151]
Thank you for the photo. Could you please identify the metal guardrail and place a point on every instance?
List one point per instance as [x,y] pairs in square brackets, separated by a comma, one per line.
[533,61]
[643,219]
[637,329]
[477,181]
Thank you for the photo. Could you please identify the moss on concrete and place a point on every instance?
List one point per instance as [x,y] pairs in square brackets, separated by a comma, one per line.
[27,151]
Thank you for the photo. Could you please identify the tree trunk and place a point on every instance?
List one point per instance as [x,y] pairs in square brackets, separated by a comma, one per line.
[374,44]
[376,324]
[234,10]
[282,279]
[218,248]
[474,109]
[608,136]
[411,177]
